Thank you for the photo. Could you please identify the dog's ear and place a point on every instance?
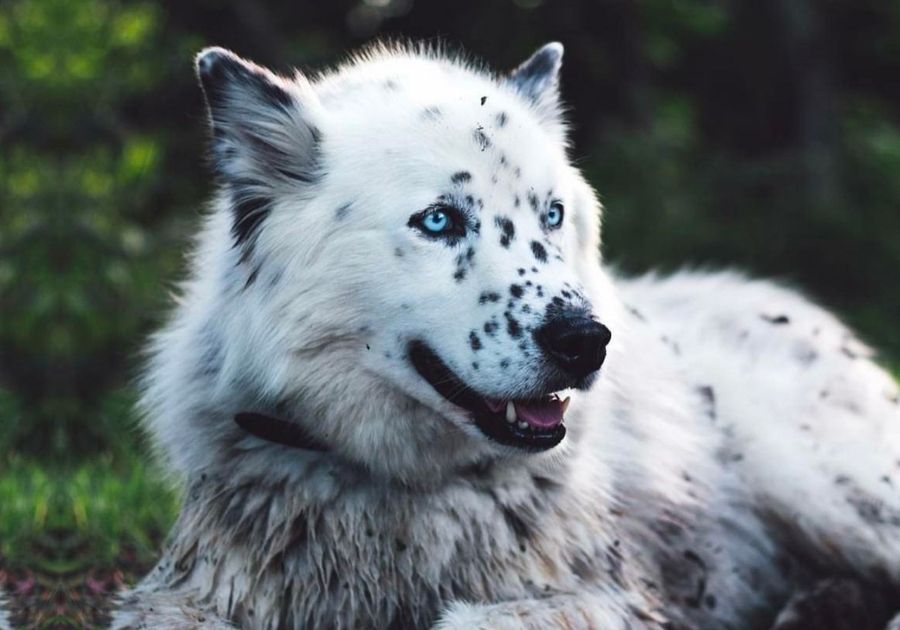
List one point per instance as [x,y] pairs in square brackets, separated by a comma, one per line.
[537,78]
[263,140]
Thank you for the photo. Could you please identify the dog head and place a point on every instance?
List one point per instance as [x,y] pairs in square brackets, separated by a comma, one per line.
[402,257]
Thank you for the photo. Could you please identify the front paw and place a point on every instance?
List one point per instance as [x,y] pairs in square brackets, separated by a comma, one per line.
[572,613]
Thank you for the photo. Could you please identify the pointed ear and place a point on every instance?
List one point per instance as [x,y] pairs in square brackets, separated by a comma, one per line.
[263,141]
[537,79]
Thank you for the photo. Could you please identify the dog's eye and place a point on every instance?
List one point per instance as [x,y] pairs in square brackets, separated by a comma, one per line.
[555,215]
[436,221]
[439,221]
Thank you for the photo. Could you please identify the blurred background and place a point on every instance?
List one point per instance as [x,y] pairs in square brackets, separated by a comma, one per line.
[760,134]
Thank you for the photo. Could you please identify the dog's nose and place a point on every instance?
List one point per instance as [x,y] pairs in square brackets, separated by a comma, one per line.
[574,342]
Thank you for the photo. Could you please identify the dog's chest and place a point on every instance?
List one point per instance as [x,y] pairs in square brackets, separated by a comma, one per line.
[361,564]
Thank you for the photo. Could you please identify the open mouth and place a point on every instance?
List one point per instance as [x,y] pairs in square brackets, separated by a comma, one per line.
[534,424]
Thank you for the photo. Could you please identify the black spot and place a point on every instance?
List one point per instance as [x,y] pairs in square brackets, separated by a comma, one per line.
[481,138]
[483,100]
[805,354]
[475,365]
[778,320]
[516,524]
[566,294]
[398,252]
[461,177]
[637,314]
[490,328]
[672,344]
[507,228]
[512,325]
[488,296]
[516,291]
[474,341]
[470,200]
[502,119]
[504,363]
[516,201]
[709,399]
[520,271]
[432,113]
[401,545]
[545,484]
[539,252]
[470,254]
[343,211]
[533,201]
[459,275]
[251,278]
[390,84]
[873,510]
[517,172]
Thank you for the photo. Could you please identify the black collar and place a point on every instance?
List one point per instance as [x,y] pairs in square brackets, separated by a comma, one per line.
[278,431]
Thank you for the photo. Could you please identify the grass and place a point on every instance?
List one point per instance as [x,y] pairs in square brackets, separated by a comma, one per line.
[71,538]
[106,505]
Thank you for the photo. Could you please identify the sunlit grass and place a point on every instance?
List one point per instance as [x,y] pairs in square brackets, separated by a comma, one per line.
[61,520]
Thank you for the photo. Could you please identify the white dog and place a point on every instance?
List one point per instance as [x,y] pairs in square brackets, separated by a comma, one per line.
[382,387]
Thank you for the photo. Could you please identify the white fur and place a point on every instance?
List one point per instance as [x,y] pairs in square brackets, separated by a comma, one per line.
[702,464]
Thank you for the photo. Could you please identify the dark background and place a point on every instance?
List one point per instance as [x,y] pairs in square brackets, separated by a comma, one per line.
[760,134]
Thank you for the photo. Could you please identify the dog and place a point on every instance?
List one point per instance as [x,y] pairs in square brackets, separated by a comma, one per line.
[403,390]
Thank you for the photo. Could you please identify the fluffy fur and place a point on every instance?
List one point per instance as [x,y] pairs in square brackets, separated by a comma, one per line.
[738,446]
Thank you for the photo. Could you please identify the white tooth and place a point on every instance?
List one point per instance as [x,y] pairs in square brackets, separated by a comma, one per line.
[523,425]
[510,412]
[565,403]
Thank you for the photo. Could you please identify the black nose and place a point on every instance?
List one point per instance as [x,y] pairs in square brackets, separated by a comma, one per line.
[575,342]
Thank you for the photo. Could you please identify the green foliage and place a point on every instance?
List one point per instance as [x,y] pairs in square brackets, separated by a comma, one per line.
[82,268]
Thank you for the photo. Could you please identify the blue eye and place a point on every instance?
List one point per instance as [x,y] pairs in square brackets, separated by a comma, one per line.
[555,215]
[436,221]
[440,221]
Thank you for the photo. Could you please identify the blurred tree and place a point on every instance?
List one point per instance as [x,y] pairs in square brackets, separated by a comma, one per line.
[82,270]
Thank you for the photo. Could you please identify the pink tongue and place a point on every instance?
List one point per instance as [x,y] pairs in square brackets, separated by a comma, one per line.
[545,414]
